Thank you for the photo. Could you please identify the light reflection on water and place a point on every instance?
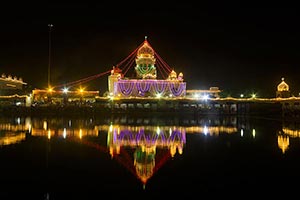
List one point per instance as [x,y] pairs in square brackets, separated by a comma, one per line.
[143,146]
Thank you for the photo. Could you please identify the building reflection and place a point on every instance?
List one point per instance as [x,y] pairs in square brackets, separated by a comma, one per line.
[145,142]
[141,146]
[13,131]
[290,131]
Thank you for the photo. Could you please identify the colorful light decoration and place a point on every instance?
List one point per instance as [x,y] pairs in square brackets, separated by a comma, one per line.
[152,87]
[145,84]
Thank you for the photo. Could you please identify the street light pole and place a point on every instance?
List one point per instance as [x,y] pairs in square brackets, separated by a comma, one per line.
[49,56]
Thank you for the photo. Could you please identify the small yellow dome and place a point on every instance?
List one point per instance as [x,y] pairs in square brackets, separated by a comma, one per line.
[145,50]
[283,86]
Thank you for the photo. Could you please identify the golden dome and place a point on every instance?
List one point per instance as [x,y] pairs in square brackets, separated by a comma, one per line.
[145,50]
[283,86]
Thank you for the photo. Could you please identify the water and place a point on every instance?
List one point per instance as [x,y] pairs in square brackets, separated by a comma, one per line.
[149,157]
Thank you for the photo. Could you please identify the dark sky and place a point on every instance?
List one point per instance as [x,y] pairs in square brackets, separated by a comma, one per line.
[238,48]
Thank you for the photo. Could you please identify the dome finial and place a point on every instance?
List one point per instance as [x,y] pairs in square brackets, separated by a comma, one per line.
[282,78]
[145,37]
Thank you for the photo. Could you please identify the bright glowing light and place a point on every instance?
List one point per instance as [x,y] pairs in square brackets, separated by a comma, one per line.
[50,89]
[242,95]
[65,90]
[253,133]
[196,96]
[49,134]
[81,90]
[204,97]
[253,95]
[158,131]
[45,125]
[205,130]
[242,132]
[65,133]
[158,95]
[80,133]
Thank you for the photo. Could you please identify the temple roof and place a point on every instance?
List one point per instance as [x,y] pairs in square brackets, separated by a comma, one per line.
[145,50]
[283,86]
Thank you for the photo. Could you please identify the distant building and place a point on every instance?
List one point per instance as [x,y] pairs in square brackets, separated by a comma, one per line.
[63,97]
[283,90]
[12,91]
[213,92]
[11,83]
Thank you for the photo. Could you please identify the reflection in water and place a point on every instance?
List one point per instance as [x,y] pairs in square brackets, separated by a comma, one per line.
[284,135]
[283,142]
[142,146]
[12,132]
[11,138]
[146,140]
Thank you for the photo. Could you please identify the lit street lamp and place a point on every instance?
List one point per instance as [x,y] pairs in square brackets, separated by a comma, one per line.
[49,56]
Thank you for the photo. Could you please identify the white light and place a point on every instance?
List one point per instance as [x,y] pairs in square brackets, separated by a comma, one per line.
[65,133]
[205,130]
[18,120]
[205,97]
[158,131]
[158,95]
[242,132]
[253,132]
[65,90]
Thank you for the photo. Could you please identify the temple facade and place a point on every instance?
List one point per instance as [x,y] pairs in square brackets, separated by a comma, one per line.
[145,83]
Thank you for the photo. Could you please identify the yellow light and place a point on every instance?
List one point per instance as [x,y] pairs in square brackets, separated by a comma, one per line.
[50,89]
[49,134]
[81,90]
[253,133]
[45,125]
[158,95]
[80,133]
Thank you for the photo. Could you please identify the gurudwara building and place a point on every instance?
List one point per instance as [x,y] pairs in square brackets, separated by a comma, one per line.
[283,90]
[145,83]
[11,83]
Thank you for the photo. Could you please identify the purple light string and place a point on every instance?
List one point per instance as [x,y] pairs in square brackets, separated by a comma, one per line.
[177,90]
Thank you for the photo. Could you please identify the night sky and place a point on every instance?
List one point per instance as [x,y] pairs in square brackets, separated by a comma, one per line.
[238,48]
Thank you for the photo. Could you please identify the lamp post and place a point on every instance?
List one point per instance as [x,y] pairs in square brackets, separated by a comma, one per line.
[49,56]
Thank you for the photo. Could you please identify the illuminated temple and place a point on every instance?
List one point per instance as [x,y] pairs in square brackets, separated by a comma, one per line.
[145,82]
